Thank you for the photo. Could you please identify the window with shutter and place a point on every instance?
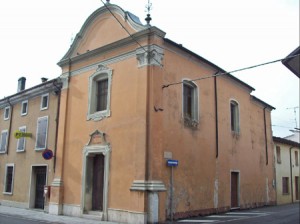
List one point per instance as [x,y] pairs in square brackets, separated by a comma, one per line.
[21,141]
[3,141]
[41,133]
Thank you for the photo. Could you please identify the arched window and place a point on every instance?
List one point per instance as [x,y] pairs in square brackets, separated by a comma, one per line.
[190,101]
[99,94]
[234,115]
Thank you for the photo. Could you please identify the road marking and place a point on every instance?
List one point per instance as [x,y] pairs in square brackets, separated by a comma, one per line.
[198,221]
[227,216]
[245,213]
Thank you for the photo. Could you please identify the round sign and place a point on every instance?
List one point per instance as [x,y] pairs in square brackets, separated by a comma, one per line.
[47,154]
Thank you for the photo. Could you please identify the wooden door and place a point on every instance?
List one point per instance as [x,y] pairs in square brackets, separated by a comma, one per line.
[98,179]
[234,189]
[40,177]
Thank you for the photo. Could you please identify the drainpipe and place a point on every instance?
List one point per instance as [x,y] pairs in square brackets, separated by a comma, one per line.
[291,171]
[57,122]
[10,122]
[216,114]
[266,140]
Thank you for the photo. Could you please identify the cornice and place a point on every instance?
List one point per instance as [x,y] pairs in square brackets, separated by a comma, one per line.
[118,58]
[152,185]
[31,93]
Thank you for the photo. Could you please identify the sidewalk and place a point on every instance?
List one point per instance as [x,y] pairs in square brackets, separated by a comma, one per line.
[42,216]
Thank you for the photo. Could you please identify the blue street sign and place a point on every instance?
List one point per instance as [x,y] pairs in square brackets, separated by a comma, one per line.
[172,162]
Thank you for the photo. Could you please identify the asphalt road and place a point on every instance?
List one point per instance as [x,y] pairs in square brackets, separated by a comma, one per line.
[283,214]
[9,219]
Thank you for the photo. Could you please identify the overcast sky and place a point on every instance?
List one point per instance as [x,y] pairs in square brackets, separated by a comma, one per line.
[232,34]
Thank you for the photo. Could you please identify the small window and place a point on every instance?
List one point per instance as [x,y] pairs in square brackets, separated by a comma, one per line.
[285,185]
[296,158]
[6,113]
[234,113]
[99,94]
[41,133]
[3,141]
[9,179]
[21,141]
[24,108]
[190,101]
[278,154]
[44,102]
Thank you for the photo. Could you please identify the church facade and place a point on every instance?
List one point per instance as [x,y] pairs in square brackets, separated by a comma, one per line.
[142,138]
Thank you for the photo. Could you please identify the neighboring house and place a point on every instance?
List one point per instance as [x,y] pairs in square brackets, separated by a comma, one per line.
[121,120]
[23,170]
[295,137]
[286,154]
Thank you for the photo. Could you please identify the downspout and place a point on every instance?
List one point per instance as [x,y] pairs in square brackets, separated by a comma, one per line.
[10,122]
[216,115]
[291,172]
[266,140]
[57,122]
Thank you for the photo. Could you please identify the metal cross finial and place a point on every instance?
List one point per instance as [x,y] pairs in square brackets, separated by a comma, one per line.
[148,9]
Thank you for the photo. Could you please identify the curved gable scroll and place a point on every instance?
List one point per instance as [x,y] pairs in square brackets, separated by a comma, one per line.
[101,28]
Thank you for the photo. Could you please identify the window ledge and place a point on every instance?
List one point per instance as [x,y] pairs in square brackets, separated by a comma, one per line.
[2,152]
[20,150]
[8,193]
[236,133]
[189,122]
[98,116]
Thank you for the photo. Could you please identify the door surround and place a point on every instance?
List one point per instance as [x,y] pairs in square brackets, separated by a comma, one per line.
[96,145]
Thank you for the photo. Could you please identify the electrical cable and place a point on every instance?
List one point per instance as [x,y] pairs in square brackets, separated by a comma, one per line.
[233,71]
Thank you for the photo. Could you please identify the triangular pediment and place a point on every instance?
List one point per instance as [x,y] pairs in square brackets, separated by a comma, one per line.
[103,27]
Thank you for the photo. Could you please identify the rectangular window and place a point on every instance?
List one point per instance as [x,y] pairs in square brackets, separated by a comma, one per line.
[278,154]
[41,133]
[9,179]
[234,113]
[24,108]
[21,141]
[285,185]
[3,141]
[296,158]
[6,113]
[190,101]
[102,88]
[44,102]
